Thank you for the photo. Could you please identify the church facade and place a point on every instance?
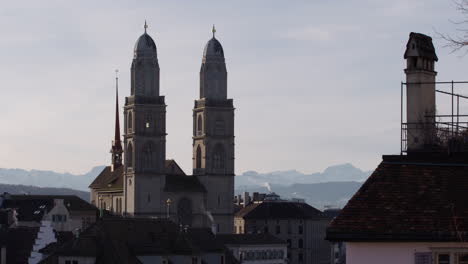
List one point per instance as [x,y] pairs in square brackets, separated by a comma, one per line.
[140,181]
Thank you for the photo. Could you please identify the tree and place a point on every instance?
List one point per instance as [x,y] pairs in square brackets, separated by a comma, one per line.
[460,40]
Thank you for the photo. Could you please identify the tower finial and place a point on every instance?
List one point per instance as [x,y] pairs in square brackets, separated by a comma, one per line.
[146,26]
[213,30]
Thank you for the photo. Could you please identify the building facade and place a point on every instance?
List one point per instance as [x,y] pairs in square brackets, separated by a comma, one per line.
[142,182]
[413,208]
[299,224]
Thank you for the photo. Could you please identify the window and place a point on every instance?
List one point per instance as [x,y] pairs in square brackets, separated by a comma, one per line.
[149,198]
[300,243]
[199,125]
[198,158]
[300,257]
[443,258]
[288,242]
[278,229]
[148,155]
[194,260]
[289,228]
[462,258]
[130,121]
[222,259]
[300,230]
[59,218]
[218,157]
[129,155]
[265,229]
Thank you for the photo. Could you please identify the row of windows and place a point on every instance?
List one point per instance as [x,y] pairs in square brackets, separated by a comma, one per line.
[278,231]
[261,254]
[300,243]
[59,218]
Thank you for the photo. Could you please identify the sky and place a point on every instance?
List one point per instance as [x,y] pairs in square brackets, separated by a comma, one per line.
[315,83]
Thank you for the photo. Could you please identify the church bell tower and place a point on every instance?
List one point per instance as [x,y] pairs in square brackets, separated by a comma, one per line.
[144,132]
[213,137]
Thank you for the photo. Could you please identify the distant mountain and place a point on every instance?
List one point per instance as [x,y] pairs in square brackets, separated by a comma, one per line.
[49,178]
[334,186]
[23,189]
[337,173]
[319,195]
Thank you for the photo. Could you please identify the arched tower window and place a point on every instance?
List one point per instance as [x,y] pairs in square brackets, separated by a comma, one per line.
[148,155]
[149,121]
[219,157]
[184,211]
[129,155]
[130,122]
[198,158]
[199,125]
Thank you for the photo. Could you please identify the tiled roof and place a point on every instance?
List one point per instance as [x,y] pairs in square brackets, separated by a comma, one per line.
[249,239]
[113,180]
[120,240]
[423,45]
[409,199]
[19,243]
[109,179]
[279,210]
[32,207]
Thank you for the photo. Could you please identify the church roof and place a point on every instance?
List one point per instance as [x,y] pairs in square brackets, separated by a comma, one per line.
[176,179]
[108,179]
[408,199]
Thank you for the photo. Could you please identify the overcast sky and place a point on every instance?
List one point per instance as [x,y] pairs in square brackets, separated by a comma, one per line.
[314,83]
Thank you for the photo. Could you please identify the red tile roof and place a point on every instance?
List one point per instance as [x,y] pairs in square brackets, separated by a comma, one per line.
[408,199]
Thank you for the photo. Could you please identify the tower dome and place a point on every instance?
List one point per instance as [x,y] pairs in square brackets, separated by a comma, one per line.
[145,44]
[213,47]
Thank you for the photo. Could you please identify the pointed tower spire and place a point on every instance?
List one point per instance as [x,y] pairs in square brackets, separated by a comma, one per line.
[116,143]
[145,26]
[213,30]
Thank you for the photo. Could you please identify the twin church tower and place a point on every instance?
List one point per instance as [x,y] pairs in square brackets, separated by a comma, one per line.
[143,183]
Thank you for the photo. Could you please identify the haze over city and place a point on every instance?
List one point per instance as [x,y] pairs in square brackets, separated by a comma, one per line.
[314,83]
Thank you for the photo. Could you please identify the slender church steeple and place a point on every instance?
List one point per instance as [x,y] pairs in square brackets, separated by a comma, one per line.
[116,143]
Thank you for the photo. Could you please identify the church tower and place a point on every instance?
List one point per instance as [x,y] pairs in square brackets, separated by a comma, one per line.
[213,137]
[144,133]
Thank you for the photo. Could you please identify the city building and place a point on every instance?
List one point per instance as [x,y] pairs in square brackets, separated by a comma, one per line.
[142,182]
[299,224]
[413,209]
[66,213]
[140,240]
[255,248]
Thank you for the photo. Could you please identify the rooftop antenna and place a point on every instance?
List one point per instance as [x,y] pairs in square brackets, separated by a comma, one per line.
[213,30]
[145,26]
